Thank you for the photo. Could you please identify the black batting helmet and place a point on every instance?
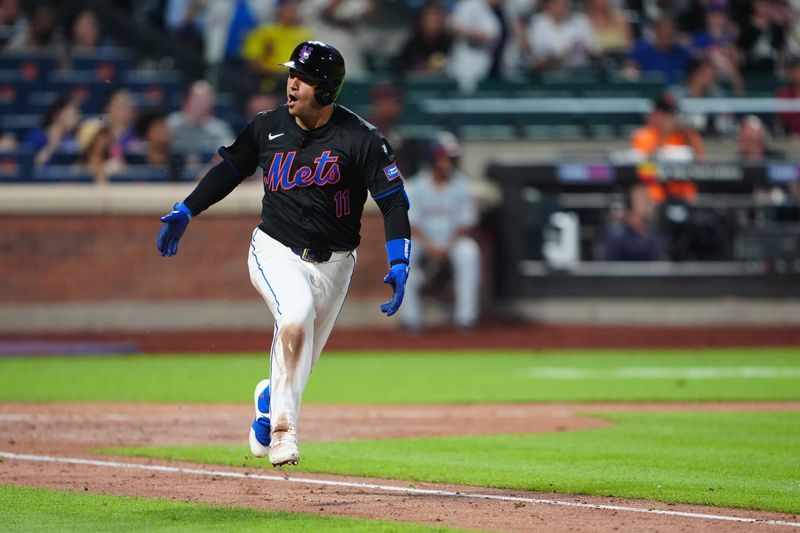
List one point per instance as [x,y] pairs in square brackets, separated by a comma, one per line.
[322,63]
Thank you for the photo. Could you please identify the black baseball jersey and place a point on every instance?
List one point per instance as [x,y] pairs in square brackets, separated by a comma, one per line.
[315,182]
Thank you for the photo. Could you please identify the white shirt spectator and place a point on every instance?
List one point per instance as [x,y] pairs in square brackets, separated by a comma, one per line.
[477,30]
[571,43]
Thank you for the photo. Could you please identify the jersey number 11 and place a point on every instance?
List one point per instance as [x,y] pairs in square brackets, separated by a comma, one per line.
[342,200]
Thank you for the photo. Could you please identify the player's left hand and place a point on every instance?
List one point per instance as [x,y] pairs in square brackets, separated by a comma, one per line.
[397,277]
[171,232]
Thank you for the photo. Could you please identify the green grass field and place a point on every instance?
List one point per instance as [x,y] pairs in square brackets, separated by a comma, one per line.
[739,459]
[393,378]
[32,510]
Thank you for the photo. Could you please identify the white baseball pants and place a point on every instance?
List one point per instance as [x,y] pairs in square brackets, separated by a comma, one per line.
[305,299]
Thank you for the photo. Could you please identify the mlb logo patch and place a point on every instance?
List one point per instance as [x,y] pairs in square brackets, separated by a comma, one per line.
[392,172]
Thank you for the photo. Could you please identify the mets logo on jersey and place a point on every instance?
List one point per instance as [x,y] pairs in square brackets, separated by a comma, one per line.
[391,171]
[279,176]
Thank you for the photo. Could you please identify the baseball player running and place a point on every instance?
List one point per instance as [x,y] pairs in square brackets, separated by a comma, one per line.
[319,161]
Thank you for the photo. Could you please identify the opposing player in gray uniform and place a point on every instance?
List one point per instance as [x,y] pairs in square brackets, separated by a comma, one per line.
[442,221]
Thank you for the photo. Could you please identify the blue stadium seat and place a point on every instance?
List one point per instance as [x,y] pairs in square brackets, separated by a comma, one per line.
[14,92]
[108,64]
[157,89]
[20,124]
[61,174]
[83,86]
[16,166]
[30,65]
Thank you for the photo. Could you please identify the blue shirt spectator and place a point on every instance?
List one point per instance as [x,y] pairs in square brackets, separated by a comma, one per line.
[57,135]
[632,237]
[663,55]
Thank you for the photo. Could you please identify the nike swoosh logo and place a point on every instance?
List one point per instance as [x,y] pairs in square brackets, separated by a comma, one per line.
[271,136]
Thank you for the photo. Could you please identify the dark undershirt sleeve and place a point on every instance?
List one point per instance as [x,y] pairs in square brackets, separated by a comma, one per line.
[395,216]
[218,183]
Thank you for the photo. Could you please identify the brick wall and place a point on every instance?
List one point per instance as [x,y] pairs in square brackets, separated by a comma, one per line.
[97,258]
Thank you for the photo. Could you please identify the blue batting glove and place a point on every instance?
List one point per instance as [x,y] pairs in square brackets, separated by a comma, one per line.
[174,225]
[397,277]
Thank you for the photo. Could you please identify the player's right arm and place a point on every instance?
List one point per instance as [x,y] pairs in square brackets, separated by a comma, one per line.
[239,160]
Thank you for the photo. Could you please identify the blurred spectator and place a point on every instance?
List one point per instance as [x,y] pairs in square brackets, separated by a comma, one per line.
[105,142]
[634,238]
[560,39]
[442,221]
[762,38]
[481,30]
[664,54]
[341,23]
[790,122]
[42,34]
[610,26]
[386,107]
[156,145]
[701,82]
[120,116]
[94,139]
[227,23]
[8,142]
[267,46]
[717,41]
[13,23]
[153,132]
[664,138]
[259,102]
[650,11]
[86,35]
[427,47]
[57,135]
[752,141]
[690,16]
[186,20]
[194,128]
[663,131]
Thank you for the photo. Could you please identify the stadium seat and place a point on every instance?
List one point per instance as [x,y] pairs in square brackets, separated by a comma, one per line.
[14,92]
[20,124]
[487,132]
[553,131]
[109,65]
[30,65]
[61,173]
[154,88]
[15,166]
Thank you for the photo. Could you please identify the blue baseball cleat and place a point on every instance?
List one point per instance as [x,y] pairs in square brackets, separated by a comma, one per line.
[260,430]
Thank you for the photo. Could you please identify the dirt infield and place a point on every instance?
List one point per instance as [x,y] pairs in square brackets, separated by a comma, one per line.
[69,431]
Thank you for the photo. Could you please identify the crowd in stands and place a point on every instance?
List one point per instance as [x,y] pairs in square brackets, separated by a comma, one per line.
[697,48]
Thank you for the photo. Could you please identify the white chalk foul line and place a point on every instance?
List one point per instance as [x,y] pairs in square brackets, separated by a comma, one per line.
[387,488]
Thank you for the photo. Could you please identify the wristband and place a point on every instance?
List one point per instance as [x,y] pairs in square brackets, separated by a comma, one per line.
[398,251]
[180,206]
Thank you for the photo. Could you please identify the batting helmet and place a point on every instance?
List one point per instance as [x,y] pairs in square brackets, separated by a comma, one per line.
[322,63]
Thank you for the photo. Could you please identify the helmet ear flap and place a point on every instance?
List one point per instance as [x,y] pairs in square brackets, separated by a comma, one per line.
[323,95]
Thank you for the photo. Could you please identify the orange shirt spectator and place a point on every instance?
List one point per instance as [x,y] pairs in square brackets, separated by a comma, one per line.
[649,139]
[658,137]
